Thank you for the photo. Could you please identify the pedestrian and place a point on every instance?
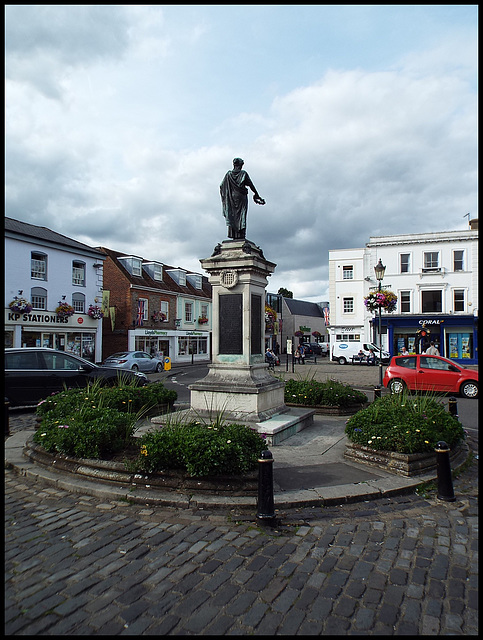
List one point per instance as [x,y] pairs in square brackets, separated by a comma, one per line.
[297,356]
[433,350]
[302,354]
[404,351]
[371,358]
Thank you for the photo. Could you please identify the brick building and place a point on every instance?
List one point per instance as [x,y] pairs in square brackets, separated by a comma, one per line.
[154,307]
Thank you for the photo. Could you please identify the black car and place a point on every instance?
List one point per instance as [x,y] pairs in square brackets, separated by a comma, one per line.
[312,349]
[32,374]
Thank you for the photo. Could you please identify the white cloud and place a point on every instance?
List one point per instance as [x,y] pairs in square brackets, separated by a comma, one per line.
[122,121]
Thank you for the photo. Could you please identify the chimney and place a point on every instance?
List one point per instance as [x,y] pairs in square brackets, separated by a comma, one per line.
[473,224]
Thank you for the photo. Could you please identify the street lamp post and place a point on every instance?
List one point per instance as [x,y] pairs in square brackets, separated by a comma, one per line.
[380,270]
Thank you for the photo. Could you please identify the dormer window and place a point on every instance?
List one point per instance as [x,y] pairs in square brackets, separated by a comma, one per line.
[132,264]
[154,269]
[196,280]
[179,276]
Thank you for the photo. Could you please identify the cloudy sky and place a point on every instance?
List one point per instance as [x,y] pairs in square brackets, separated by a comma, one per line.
[353,121]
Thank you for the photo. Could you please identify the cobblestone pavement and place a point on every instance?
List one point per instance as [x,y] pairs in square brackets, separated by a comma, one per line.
[399,566]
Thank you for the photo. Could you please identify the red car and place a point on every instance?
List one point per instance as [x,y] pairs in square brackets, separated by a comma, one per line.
[430,373]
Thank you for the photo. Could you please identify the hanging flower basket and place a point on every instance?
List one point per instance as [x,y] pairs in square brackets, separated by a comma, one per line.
[64,310]
[299,334]
[20,305]
[95,312]
[385,300]
[316,334]
[158,316]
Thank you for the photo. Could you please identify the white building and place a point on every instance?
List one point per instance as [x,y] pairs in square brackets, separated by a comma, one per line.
[49,268]
[435,278]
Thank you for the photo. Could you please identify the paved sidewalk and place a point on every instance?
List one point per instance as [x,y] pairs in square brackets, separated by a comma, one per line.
[80,565]
[85,565]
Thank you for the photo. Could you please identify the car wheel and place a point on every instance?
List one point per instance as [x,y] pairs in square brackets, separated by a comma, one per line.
[469,389]
[396,386]
[134,367]
[159,368]
[342,360]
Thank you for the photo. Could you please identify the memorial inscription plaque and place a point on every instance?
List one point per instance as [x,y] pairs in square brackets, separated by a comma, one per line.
[230,324]
[256,325]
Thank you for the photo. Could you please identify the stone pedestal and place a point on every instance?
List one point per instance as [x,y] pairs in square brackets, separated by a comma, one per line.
[238,386]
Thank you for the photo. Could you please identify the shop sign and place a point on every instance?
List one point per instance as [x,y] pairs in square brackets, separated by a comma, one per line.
[305,329]
[154,332]
[431,321]
[43,318]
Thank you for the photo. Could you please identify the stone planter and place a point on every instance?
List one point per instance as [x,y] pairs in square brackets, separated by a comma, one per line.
[408,465]
[331,410]
[119,473]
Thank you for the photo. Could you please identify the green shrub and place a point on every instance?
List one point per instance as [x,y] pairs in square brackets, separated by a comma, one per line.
[126,397]
[97,420]
[92,433]
[200,449]
[331,393]
[405,424]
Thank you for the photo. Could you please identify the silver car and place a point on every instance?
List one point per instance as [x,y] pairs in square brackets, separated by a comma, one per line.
[135,361]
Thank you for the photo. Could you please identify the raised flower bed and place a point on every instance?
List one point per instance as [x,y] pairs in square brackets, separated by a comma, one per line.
[91,432]
[399,433]
[330,397]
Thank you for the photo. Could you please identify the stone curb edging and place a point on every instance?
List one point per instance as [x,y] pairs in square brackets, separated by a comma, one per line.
[315,497]
[328,410]
[407,465]
[116,472]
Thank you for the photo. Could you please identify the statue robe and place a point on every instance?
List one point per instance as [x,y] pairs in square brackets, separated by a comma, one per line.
[234,200]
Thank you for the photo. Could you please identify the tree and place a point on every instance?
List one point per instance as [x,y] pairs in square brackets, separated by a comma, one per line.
[285,293]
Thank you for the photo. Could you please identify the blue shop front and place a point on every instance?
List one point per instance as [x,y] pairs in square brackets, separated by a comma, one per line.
[455,336]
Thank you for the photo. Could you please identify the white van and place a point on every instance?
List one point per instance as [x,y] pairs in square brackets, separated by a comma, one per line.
[342,352]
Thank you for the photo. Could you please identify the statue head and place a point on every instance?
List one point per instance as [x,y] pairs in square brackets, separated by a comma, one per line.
[238,162]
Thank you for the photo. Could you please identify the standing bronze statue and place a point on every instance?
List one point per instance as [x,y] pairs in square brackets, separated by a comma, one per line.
[234,199]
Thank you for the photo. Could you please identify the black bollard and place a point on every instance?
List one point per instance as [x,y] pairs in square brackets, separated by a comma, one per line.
[7,418]
[453,406]
[265,505]
[377,392]
[443,468]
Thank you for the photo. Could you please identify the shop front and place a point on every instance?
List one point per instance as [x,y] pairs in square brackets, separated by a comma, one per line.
[78,334]
[455,336]
[179,346]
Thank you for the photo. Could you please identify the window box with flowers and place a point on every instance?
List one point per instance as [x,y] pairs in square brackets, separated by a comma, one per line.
[20,305]
[64,310]
[159,316]
[385,300]
[95,312]
[202,320]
